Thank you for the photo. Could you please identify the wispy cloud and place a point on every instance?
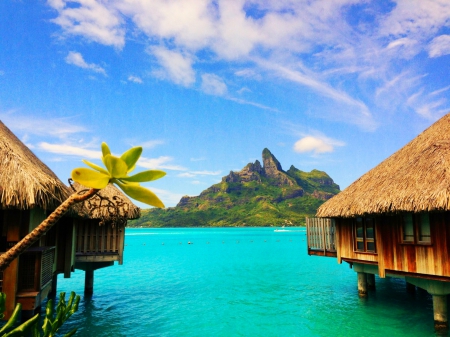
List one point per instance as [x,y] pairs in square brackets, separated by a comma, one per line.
[174,66]
[135,79]
[168,197]
[191,174]
[32,125]
[213,85]
[77,59]
[93,20]
[69,150]
[318,44]
[162,162]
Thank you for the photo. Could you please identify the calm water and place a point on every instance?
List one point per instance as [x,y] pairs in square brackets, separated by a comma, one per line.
[239,282]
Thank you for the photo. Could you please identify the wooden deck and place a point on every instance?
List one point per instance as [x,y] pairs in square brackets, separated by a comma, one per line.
[321,237]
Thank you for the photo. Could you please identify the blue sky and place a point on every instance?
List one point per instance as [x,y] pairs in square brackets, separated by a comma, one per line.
[204,86]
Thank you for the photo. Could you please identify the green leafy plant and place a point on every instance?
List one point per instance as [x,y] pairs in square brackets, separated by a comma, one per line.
[116,172]
[52,320]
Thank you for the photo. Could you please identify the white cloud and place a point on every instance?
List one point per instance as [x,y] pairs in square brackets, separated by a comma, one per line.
[213,85]
[69,150]
[94,20]
[316,145]
[439,46]
[426,110]
[191,174]
[439,91]
[168,197]
[174,66]
[77,59]
[313,43]
[135,79]
[162,162]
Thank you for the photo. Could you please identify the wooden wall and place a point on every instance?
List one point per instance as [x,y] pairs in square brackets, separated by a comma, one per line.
[432,259]
[345,243]
[393,255]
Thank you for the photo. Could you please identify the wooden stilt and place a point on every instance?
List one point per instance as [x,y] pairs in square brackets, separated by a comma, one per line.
[52,292]
[362,284]
[440,312]
[89,282]
[371,281]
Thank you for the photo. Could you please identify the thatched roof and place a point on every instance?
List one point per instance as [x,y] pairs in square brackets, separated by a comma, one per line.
[108,204]
[416,178]
[25,181]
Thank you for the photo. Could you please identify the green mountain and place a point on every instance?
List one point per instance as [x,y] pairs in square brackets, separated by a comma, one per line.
[258,195]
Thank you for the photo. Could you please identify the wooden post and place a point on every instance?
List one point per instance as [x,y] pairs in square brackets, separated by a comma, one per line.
[371,281]
[440,312]
[89,282]
[54,286]
[362,284]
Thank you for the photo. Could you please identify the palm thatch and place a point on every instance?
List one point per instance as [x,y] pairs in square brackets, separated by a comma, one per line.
[416,178]
[109,204]
[25,181]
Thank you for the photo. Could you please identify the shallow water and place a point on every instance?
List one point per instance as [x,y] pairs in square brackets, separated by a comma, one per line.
[239,282]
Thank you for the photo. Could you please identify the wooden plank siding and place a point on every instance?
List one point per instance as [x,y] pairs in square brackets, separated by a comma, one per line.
[95,242]
[432,259]
[394,256]
[346,246]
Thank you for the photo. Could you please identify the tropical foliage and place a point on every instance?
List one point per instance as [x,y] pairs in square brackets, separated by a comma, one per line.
[116,172]
[53,320]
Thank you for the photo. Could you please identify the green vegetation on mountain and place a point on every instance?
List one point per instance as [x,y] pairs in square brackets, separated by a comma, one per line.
[258,195]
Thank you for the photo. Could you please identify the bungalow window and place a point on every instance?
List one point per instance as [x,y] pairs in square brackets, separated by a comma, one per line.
[365,235]
[416,228]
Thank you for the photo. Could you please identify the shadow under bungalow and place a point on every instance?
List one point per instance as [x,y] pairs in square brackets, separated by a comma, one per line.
[395,220]
[89,237]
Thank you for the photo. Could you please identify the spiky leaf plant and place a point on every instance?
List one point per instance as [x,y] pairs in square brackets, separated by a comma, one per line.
[117,171]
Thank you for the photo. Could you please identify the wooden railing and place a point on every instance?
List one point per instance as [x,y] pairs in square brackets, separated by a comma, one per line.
[321,236]
[95,243]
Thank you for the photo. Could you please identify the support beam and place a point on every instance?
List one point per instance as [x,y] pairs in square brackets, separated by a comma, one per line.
[52,292]
[440,312]
[89,282]
[362,284]
[371,281]
[410,288]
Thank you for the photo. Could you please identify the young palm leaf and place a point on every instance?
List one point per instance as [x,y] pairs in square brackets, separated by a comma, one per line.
[116,172]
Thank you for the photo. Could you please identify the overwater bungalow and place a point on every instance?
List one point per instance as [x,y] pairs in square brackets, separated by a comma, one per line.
[395,220]
[88,237]
[100,238]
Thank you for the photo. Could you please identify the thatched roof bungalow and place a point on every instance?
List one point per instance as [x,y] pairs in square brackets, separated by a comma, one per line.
[414,179]
[100,238]
[395,219]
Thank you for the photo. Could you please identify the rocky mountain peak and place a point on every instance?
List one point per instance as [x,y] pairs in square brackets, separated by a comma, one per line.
[270,163]
[272,169]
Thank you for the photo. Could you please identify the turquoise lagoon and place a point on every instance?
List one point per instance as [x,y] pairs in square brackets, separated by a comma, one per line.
[239,282]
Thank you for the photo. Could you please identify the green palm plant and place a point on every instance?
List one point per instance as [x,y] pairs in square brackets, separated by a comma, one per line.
[116,172]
